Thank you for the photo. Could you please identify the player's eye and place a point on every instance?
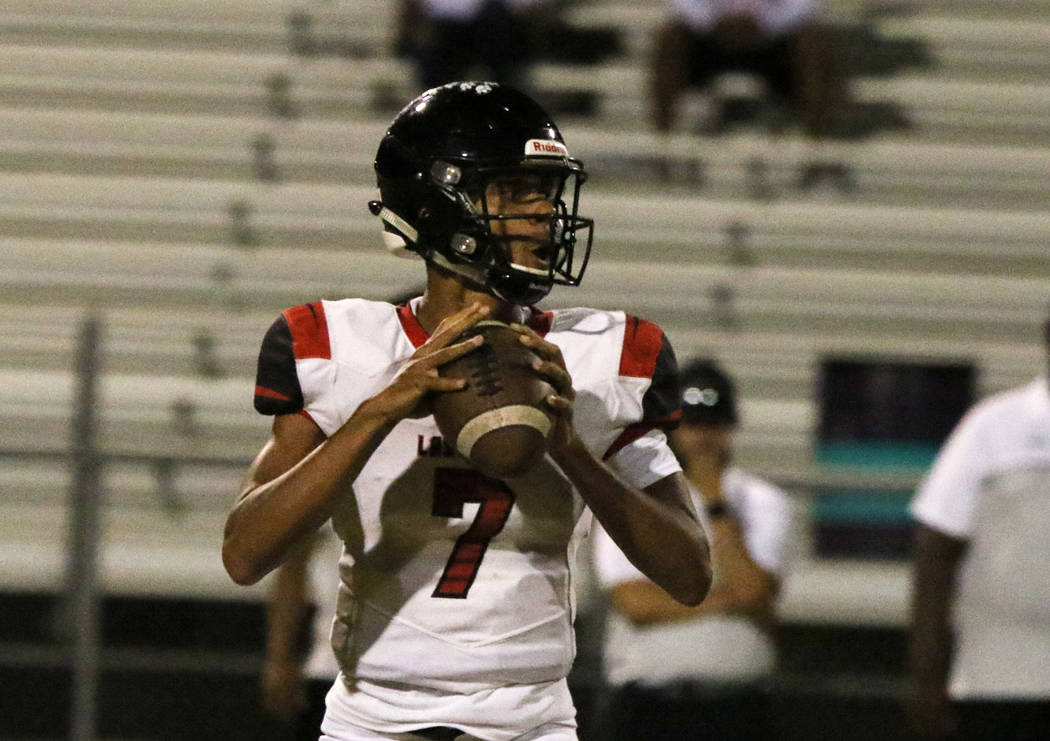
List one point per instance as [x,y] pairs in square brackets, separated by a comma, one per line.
[528,188]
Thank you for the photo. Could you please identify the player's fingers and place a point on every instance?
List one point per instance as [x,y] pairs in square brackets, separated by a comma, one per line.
[454,324]
[556,375]
[559,404]
[430,380]
[546,350]
[448,384]
[444,355]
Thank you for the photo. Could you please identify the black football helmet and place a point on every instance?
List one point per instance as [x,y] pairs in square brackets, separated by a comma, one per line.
[433,169]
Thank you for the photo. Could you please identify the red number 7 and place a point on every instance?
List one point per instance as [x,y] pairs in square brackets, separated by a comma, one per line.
[453,487]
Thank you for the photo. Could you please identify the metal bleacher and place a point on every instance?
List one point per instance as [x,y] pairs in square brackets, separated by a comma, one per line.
[185,170]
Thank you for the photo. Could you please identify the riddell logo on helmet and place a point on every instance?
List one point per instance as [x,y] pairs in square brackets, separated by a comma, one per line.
[542,146]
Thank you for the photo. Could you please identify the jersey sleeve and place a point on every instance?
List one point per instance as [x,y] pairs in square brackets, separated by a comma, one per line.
[299,333]
[646,460]
[947,495]
[277,389]
[647,354]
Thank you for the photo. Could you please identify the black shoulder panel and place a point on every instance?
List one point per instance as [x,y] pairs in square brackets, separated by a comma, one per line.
[660,405]
[277,389]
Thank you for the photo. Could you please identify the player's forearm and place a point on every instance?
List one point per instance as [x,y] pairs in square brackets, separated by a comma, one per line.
[271,519]
[663,540]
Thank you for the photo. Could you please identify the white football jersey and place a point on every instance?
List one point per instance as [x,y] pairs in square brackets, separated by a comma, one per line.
[453,581]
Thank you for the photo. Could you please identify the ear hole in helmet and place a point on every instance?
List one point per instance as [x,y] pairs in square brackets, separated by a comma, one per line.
[464,244]
[445,173]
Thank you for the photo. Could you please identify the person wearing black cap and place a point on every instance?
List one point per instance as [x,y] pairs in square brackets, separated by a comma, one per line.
[700,672]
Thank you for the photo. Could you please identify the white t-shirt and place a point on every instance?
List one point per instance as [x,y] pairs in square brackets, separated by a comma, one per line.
[716,648]
[775,17]
[990,485]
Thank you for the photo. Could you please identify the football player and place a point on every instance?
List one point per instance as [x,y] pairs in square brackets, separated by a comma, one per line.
[456,601]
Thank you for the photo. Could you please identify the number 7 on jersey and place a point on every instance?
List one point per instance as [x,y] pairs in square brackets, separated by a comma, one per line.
[453,487]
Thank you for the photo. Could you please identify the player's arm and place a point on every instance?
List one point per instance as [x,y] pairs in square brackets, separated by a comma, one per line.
[656,527]
[296,481]
[740,586]
[937,559]
[292,488]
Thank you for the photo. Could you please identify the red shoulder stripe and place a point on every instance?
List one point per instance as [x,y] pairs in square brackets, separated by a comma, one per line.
[413,329]
[641,429]
[309,329]
[628,436]
[642,341]
[540,321]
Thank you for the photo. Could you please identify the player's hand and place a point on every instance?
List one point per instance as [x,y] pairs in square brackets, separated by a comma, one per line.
[284,695]
[406,394]
[551,365]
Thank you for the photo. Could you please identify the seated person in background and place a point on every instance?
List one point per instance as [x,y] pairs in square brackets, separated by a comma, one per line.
[781,41]
[679,672]
[457,39]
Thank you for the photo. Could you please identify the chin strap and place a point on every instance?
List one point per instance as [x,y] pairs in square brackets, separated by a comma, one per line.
[474,275]
[397,233]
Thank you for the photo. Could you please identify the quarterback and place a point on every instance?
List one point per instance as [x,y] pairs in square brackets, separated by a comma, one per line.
[456,601]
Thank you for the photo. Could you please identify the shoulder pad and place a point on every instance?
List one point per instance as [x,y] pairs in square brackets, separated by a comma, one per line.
[300,332]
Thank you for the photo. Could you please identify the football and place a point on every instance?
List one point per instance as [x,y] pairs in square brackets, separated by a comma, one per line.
[499,421]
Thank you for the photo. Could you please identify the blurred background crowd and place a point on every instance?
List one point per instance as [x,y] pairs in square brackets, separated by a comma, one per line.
[841,206]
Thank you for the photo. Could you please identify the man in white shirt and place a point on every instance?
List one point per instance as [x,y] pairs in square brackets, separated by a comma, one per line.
[699,672]
[980,630]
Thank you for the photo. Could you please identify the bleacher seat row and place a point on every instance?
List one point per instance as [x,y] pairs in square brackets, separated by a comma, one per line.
[185,170]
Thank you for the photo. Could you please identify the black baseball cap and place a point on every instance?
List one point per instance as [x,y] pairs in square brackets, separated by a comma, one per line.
[707,394]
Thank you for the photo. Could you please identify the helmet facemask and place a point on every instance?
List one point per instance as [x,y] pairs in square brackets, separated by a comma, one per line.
[519,228]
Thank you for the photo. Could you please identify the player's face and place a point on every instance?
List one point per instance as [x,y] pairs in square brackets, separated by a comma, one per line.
[526,203]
